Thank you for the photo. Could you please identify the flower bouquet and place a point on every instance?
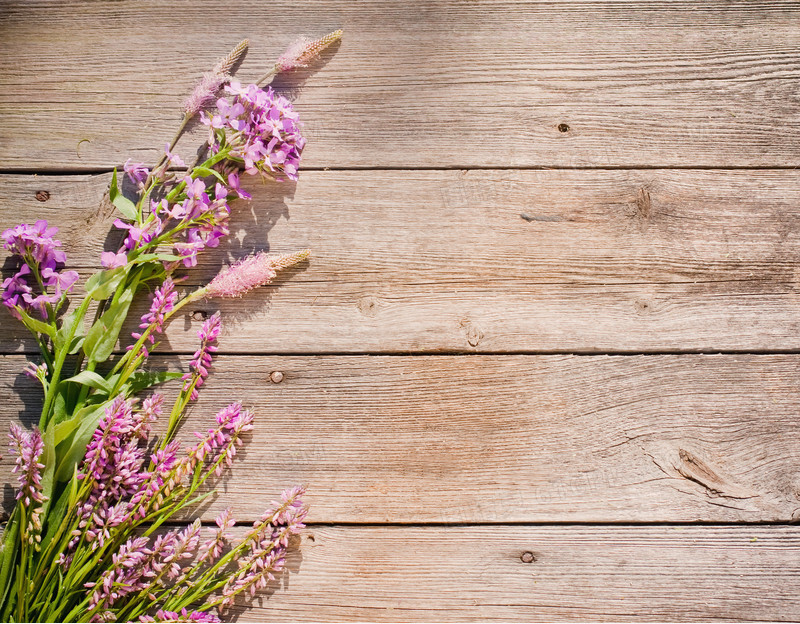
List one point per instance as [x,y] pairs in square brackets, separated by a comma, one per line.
[87,539]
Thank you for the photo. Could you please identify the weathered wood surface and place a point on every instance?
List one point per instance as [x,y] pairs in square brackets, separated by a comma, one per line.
[645,238]
[579,573]
[486,261]
[442,83]
[505,438]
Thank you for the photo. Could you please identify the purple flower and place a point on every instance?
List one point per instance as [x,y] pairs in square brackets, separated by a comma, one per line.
[140,236]
[233,185]
[183,616]
[137,172]
[114,464]
[212,549]
[264,130]
[218,446]
[173,159]
[40,260]
[268,542]
[35,244]
[125,576]
[163,302]
[198,366]
[111,260]
[28,447]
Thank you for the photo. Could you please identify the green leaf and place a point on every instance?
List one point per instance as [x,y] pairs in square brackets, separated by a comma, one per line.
[102,284]
[144,258]
[35,325]
[66,329]
[141,380]
[76,344]
[126,207]
[82,426]
[9,553]
[205,171]
[102,337]
[91,379]
[113,190]
[49,460]
[59,407]
[59,510]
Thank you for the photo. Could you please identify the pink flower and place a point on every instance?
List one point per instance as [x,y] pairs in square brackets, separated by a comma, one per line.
[111,260]
[251,273]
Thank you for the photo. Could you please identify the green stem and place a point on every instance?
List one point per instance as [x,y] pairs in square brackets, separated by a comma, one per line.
[61,355]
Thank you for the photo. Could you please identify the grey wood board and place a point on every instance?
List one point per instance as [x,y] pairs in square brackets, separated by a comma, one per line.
[577,573]
[482,261]
[436,84]
[673,438]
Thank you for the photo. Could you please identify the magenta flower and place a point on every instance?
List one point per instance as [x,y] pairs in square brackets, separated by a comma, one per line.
[111,260]
[164,299]
[183,616]
[201,361]
[218,446]
[173,159]
[263,128]
[137,172]
[38,285]
[212,549]
[268,542]
[29,447]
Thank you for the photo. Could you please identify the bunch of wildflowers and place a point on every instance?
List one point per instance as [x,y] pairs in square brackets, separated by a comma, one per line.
[94,484]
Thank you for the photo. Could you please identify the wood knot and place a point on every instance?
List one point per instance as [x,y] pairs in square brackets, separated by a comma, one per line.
[527,557]
[199,315]
[276,377]
[473,333]
[563,128]
[42,196]
[368,306]
[643,204]
[695,469]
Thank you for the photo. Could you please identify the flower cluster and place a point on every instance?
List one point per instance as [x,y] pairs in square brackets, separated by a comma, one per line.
[201,360]
[164,299]
[267,543]
[261,129]
[89,536]
[39,285]
[28,447]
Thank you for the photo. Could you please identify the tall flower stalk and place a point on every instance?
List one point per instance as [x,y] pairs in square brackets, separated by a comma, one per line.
[86,540]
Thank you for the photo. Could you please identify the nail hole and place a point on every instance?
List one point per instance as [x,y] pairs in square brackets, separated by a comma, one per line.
[276,376]
[199,315]
[42,196]
[528,557]
[562,127]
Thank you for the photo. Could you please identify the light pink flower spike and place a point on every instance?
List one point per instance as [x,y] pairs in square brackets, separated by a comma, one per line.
[251,273]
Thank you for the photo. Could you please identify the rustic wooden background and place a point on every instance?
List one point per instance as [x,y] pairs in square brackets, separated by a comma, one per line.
[545,363]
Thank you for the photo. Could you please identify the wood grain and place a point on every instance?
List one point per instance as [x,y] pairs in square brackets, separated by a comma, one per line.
[485,261]
[436,84]
[579,573]
[504,438]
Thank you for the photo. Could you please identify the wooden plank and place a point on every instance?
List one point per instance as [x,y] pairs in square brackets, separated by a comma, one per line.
[445,83]
[423,574]
[504,438]
[486,261]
